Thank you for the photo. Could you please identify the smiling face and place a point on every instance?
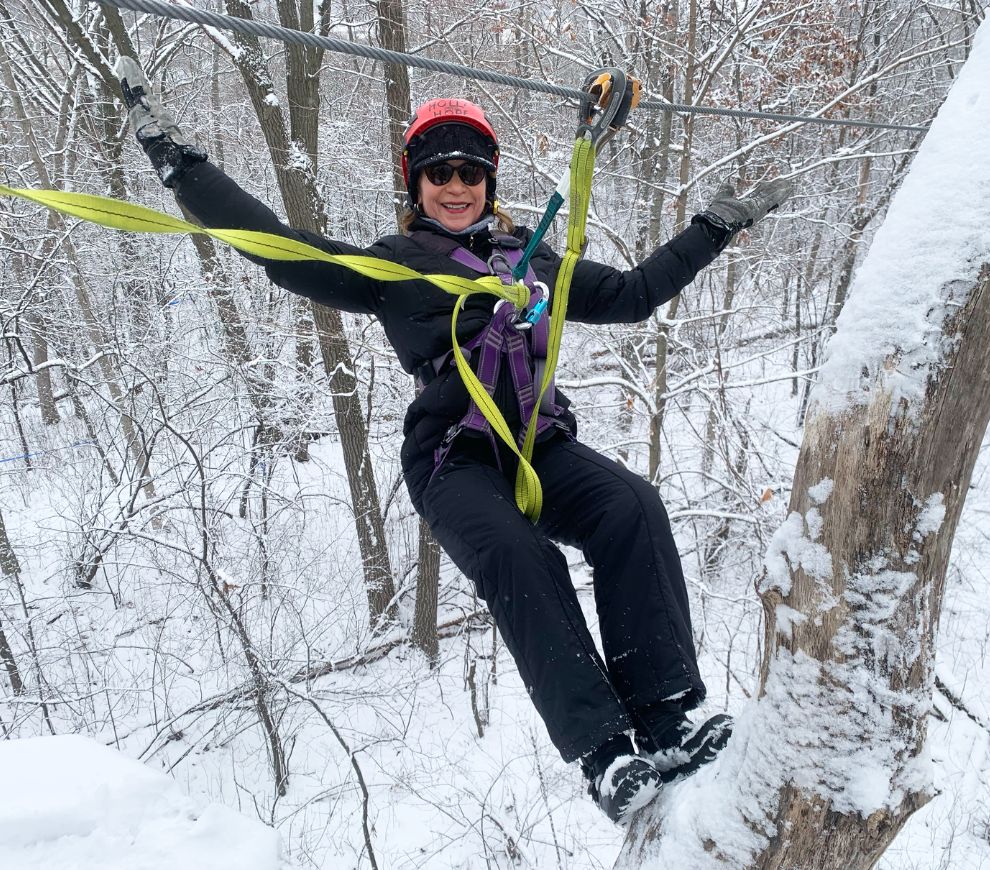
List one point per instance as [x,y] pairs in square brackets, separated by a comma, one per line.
[455,205]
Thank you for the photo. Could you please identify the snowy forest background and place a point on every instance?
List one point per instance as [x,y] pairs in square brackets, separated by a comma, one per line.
[182,574]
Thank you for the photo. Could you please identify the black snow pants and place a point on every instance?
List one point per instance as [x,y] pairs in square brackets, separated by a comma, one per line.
[618,521]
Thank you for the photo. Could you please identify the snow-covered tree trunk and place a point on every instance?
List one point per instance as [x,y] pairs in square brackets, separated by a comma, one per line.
[827,765]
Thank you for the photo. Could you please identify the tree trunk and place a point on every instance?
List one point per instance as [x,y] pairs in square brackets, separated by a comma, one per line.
[425,634]
[357,459]
[302,83]
[663,331]
[824,768]
[398,102]
[653,160]
[392,36]
[39,359]
[304,208]
[10,664]
[8,568]
[38,330]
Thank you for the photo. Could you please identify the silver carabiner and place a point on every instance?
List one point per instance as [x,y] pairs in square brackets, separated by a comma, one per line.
[529,317]
[500,267]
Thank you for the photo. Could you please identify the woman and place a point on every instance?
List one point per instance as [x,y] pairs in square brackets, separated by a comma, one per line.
[621,717]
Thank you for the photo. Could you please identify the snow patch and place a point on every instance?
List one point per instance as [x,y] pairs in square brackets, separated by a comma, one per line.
[813,520]
[791,547]
[787,618]
[67,801]
[298,160]
[931,517]
[820,492]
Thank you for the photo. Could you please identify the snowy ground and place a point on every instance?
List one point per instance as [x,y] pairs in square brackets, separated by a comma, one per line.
[439,795]
[68,803]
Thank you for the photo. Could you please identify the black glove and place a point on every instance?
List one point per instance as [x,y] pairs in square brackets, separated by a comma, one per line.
[169,151]
[728,214]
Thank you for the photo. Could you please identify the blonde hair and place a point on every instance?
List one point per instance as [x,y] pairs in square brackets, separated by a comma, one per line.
[502,218]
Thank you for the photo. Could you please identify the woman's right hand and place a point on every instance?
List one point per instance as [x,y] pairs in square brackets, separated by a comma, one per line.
[154,126]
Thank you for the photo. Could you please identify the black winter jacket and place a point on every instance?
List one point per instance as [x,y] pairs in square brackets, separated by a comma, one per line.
[416,315]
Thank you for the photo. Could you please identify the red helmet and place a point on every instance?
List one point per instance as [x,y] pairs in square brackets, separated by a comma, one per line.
[420,150]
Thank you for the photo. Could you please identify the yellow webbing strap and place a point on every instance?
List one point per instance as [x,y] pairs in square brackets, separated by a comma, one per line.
[529,493]
[137,219]
[582,168]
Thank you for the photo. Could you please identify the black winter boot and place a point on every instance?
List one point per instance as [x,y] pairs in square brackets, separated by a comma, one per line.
[619,781]
[662,726]
[683,748]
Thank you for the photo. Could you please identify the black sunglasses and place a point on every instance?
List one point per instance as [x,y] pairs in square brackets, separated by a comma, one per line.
[440,174]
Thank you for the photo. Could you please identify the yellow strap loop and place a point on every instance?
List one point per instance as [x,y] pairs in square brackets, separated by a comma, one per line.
[528,491]
[582,169]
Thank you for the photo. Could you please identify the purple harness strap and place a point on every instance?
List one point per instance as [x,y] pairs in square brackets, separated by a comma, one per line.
[500,337]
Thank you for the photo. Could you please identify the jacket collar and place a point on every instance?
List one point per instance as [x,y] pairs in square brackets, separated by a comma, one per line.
[477,236]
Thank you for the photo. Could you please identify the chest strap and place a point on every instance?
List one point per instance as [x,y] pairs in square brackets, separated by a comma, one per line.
[521,340]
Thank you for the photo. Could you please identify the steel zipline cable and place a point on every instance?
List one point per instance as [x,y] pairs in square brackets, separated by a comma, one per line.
[298,37]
